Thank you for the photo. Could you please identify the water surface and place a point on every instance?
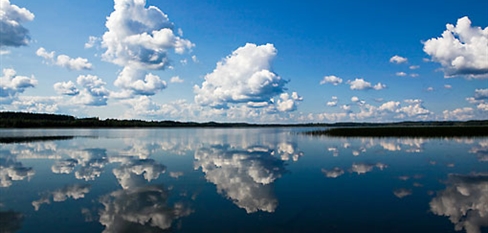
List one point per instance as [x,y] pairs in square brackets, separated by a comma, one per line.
[239,180]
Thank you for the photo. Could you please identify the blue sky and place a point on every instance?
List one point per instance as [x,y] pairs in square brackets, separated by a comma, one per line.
[251,61]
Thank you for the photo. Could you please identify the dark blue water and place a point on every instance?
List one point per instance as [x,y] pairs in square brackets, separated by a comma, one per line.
[240,180]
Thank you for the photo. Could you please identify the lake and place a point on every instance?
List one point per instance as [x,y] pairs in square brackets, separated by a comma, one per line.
[239,180]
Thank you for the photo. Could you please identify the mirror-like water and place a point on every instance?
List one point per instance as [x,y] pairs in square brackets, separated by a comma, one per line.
[239,180]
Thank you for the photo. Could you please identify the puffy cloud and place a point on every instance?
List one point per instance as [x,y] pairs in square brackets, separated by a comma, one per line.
[398,59]
[361,84]
[288,103]
[333,102]
[362,168]
[447,86]
[12,33]
[481,94]
[334,173]
[389,106]
[244,176]
[414,109]
[64,166]
[402,74]
[459,114]
[461,50]
[464,201]
[139,82]
[176,79]
[64,60]
[332,80]
[11,83]
[92,41]
[242,77]
[140,37]
[413,67]
[93,93]
[66,88]
[140,209]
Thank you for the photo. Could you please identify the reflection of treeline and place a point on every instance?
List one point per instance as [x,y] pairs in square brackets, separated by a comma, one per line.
[406,131]
[43,120]
[33,139]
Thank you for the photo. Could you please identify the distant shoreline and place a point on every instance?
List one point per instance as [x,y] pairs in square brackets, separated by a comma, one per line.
[404,131]
[44,120]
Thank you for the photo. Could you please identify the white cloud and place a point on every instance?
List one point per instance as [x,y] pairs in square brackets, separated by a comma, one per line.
[176,79]
[11,170]
[413,67]
[11,84]
[12,32]
[465,113]
[402,74]
[288,103]
[140,37]
[138,82]
[194,58]
[414,109]
[66,88]
[414,75]
[389,106]
[447,86]
[242,77]
[4,52]
[430,89]
[361,84]
[92,41]
[398,59]
[333,102]
[74,191]
[361,168]
[332,80]
[464,202]
[64,60]
[93,93]
[461,50]
[481,94]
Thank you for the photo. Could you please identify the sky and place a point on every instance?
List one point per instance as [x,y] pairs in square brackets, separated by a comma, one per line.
[246,61]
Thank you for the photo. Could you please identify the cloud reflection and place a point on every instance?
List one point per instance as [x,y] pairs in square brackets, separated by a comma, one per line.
[74,191]
[464,201]
[140,209]
[243,175]
[10,221]
[11,170]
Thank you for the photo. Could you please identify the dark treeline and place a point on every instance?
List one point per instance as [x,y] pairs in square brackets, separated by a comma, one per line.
[43,120]
[405,131]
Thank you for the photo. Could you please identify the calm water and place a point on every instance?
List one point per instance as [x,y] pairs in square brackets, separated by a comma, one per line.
[240,180]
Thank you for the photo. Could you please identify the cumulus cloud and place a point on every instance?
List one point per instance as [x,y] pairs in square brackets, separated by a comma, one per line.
[140,209]
[66,88]
[464,202]
[92,41]
[288,103]
[401,74]
[459,114]
[461,49]
[64,166]
[129,175]
[398,59]
[242,77]
[332,80]
[176,79]
[389,106]
[138,82]
[140,37]
[64,60]
[333,101]
[361,84]
[244,176]
[11,84]
[12,32]
[92,93]
[414,109]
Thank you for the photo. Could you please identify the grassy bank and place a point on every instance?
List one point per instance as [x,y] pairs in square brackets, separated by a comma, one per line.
[406,131]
